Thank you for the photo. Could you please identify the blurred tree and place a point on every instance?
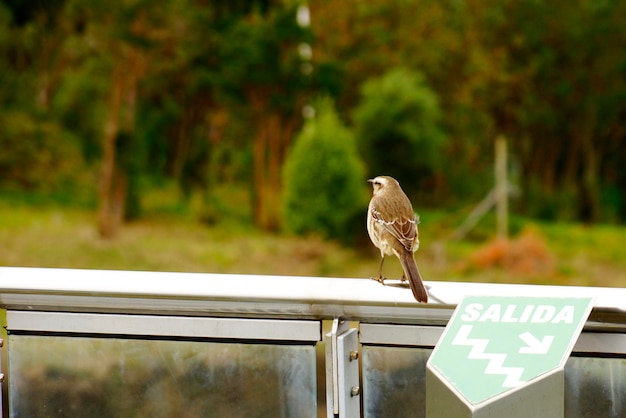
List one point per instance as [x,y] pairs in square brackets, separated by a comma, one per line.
[263,71]
[38,152]
[208,91]
[122,33]
[49,152]
[549,81]
[555,92]
[398,123]
[361,41]
[324,177]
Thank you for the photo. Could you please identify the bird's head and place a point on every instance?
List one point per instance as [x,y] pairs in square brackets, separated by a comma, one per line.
[381,182]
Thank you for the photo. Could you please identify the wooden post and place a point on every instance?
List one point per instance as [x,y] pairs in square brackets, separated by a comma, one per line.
[502,204]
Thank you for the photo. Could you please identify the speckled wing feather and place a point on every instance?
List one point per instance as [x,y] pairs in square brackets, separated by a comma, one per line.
[402,228]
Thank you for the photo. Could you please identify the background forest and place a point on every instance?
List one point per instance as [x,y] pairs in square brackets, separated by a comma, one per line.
[199,135]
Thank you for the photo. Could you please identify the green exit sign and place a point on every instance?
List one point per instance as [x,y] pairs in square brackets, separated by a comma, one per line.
[495,344]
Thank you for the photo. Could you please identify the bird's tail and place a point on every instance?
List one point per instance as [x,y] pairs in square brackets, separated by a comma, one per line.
[412,273]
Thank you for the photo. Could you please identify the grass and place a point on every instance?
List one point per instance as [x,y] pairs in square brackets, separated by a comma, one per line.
[67,238]
[173,240]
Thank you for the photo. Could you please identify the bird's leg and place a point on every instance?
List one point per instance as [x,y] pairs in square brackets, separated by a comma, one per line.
[380,278]
[403,281]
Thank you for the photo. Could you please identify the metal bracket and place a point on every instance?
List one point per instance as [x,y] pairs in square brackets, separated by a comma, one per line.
[342,371]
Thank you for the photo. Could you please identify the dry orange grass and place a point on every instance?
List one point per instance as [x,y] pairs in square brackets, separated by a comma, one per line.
[526,255]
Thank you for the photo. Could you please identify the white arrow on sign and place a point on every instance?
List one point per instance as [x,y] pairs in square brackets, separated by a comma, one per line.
[495,363]
[534,345]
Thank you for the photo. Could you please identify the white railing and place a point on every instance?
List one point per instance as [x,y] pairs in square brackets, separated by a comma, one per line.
[265,296]
[290,315]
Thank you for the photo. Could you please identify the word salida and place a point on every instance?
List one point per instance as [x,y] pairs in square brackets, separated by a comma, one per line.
[534,314]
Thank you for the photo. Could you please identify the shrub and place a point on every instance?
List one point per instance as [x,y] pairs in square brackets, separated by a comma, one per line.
[324,184]
[38,155]
[398,126]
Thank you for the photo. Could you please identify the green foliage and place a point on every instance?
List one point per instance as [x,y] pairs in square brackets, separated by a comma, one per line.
[210,75]
[323,176]
[398,122]
[38,155]
[261,53]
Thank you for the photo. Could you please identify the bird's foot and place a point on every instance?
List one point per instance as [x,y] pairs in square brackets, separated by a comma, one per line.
[379,279]
[404,282]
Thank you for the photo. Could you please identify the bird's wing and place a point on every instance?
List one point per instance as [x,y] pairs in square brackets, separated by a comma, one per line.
[404,229]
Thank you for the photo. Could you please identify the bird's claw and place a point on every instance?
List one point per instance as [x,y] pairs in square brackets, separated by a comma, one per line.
[380,279]
[404,282]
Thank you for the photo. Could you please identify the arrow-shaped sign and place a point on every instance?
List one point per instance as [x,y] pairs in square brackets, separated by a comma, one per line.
[512,341]
[534,345]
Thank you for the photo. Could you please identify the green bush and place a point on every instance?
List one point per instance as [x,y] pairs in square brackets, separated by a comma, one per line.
[398,127]
[324,186]
[38,156]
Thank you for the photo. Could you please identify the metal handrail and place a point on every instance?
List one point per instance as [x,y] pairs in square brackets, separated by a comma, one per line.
[235,295]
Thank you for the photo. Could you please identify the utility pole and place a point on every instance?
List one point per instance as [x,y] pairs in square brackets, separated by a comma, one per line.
[498,196]
[502,201]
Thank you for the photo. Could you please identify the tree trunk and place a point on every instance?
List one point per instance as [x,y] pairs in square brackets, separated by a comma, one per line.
[260,181]
[121,118]
[275,130]
[277,141]
[589,198]
[111,181]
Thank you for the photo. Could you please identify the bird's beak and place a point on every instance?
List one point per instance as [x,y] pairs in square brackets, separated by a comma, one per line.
[370,180]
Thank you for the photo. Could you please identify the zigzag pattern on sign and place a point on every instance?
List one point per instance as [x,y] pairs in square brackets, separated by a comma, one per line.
[496,360]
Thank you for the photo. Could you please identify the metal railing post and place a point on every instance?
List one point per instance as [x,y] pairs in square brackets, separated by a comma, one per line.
[342,371]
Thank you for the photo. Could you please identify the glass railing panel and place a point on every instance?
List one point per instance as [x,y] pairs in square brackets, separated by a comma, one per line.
[394,381]
[63,376]
[595,387]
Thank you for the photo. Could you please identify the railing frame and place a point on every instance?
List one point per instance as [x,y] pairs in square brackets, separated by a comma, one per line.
[196,305]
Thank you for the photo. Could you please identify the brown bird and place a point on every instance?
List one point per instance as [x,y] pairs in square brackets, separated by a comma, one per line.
[392,227]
